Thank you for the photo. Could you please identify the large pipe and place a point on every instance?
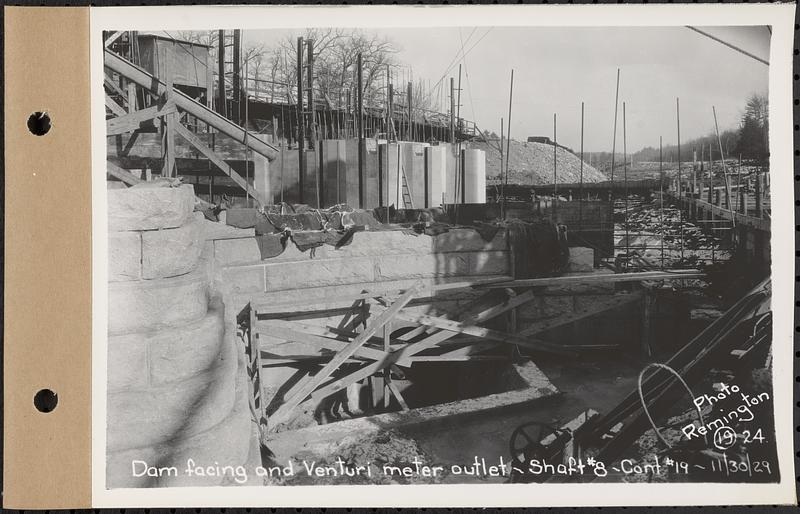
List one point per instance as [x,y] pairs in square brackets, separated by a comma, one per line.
[196,109]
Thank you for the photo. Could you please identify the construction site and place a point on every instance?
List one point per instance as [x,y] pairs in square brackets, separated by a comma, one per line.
[313,285]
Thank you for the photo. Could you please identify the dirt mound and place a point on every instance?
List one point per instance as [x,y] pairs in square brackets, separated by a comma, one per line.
[532,163]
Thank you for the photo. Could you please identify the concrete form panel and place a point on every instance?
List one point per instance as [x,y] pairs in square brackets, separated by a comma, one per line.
[474,176]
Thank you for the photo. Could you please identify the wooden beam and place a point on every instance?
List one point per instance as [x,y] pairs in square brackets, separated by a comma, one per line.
[283,412]
[218,162]
[114,107]
[401,357]
[599,278]
[136,74]
[396,392]
[274,328]
[267,306]
[474,330]
[132,121]
[168,122]
[108,81]
[113,37]
[122,174]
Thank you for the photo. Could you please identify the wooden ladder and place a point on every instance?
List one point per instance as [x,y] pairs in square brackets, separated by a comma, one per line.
[407,203]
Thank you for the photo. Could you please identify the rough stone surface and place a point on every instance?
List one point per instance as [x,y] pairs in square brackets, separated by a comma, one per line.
[127,363]
[581,259]
[226,443]
[143,305]
[467,240]
[488,263]
[152,208]
[172,252]
[153,416]
[395,267]
[229,252]
[249,279]
[181,352]
[124,256]
[319,272]
[173,353]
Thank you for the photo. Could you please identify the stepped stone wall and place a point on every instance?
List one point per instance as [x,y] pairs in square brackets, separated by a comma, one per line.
[177,382]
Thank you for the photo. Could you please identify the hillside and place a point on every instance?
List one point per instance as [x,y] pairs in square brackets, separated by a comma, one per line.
[532,163]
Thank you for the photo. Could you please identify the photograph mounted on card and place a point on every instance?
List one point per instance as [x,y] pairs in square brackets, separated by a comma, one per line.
[507,252]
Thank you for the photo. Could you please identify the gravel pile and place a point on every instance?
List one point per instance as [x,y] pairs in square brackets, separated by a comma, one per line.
[532,163]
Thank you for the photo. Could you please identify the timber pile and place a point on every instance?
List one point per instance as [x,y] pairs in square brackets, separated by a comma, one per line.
[532,163]
[355,342]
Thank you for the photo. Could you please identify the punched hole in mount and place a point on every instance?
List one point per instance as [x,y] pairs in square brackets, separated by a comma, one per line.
[45,400]
[39,123]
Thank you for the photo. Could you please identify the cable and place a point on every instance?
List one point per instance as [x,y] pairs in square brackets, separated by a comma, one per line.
[644,404]
[718,40]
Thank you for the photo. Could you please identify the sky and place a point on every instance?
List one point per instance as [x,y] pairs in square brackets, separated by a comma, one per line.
[557,68]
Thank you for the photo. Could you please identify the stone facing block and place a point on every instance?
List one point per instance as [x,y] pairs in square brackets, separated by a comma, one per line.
[225,443]
[172,252]
[468,240]
[139,360]
[124,256]
[149,208]
[489,263]
[229,252]
[158,414]
[319,272]
[398,267]
[245,279]
[151,304]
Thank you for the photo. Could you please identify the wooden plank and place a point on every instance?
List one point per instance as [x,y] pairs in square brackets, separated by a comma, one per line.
[396,392]
[283,412]
[311,306]
[474,330]
[108,81]
[132,121]
[114,107]
[168,124]
[122,174]
[601,278]
[113,37]
[570,317]
[218,162]
[254,347]
[287,332]
[138,75]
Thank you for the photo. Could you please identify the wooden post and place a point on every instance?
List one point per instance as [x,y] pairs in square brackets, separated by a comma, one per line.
[759,200]
[409,99]
[236,115]
[301,128]
[169,120]
[360,100]
[261,178]
[221,97]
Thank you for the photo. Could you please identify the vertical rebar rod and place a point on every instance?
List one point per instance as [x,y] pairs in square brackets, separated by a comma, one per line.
[680,186]
[508,132]
[614,147]
[502,176]
[625,182]
[722,159]
[360,100]
[580,189]
[301,131]
[555,170]
[661,194]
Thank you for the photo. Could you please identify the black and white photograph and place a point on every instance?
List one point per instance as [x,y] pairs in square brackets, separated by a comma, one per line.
[364,251]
